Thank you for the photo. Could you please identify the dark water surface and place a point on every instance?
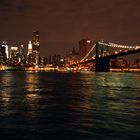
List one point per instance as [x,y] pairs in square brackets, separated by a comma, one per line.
[69,106]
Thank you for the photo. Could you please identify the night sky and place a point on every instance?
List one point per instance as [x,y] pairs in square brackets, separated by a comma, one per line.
[62,23]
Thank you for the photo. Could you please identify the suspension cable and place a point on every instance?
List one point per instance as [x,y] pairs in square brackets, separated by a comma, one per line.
[117,46]
[88,53]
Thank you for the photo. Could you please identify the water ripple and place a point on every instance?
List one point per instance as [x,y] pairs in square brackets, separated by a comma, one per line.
[100,106]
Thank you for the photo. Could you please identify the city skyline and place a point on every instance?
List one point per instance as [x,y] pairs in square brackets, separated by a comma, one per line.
[69,69]
[63,24]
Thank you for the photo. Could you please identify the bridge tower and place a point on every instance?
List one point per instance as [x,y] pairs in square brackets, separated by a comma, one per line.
[102,63]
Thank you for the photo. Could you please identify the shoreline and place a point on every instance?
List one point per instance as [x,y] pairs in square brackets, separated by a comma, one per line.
[126,70]
[65,70]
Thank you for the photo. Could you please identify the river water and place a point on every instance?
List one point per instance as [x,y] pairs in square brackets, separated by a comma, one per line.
[69,106]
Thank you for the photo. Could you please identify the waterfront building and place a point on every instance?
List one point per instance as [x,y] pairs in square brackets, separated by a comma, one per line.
[84,47]
[50,59]
[72,57]
[42,61]
[5,44]
[36,48]
[30,60]
[3,57]
[56,60]
[30,48]
[14,56]
[21,54]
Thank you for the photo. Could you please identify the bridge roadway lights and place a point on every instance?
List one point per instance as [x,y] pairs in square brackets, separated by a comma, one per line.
[102,65]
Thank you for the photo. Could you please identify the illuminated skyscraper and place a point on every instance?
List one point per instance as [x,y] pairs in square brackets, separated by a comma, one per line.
[21,50]
[3,58]
[21,54]
[30,56]
[4,44]
[36,47]
[14,56]
[84,47]
[30,48]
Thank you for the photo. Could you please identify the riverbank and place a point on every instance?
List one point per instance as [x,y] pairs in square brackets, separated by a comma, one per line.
[60,69]
[126,70]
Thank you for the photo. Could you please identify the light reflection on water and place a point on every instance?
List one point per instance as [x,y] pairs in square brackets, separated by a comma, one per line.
[75,106]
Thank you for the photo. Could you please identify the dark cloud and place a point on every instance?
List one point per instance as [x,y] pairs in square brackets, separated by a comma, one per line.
[63,23]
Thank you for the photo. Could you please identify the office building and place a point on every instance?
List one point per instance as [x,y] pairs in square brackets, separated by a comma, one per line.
[14,56]
[30,48]
[3,57]
[36,48]
[4,44]
[84,47]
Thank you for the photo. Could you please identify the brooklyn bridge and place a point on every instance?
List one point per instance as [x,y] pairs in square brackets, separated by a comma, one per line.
[101,53]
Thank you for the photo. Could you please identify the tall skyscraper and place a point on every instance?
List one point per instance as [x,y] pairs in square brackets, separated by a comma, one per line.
[3,58]
[21,50]
[36,47]
[21,54]
[30,56]
[84,47]
[30,48]
[14,56]
[4,44]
